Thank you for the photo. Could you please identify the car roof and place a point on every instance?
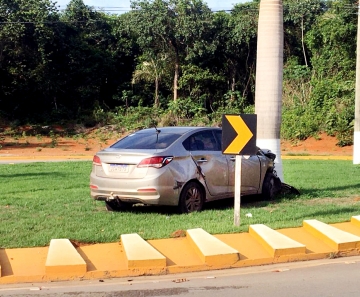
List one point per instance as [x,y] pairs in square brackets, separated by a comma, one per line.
[175,129]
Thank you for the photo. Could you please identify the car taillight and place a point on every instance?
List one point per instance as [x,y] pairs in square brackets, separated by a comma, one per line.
[156,162]
[96,160]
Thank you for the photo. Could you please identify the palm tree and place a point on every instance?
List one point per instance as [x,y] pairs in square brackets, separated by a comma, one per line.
[151,71]
[269,78]
[356,154]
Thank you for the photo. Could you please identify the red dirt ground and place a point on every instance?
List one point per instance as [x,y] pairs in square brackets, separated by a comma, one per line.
[32,146]
[324,145]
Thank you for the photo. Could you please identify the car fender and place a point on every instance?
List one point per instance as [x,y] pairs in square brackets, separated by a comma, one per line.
[184,171]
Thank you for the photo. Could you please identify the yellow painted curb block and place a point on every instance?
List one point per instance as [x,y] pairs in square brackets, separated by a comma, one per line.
[274,242]
[211,250]
[336,238]
[355,220]
[62,258]
[140,253]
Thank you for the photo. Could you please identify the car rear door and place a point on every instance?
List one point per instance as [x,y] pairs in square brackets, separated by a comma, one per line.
[207,154]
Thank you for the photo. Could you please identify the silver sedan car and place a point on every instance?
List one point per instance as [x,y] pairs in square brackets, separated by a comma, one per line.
[179,166]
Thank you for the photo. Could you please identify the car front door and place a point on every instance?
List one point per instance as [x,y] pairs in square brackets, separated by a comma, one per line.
[251,171]
[250,174]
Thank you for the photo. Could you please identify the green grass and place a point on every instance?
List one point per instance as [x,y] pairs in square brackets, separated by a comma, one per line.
[297,154]
[41,201]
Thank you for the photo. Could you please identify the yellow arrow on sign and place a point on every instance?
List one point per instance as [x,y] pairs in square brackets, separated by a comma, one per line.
[243,134]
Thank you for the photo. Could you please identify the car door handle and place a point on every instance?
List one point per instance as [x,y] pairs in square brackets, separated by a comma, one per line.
[202,160]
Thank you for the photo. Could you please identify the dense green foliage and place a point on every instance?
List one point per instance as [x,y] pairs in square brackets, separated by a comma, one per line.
[176,61]
[42,201]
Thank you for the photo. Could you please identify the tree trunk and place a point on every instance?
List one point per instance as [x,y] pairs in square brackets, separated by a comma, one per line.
[233,82]
[356,155]
[156,103]
[269,78]
[302,40]
[176,77]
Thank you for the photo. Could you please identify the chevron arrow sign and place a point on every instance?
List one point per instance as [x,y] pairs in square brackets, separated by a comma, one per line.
[239,134]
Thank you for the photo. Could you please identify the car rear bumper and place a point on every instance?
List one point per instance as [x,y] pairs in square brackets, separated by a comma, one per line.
[101,195]
[158,190]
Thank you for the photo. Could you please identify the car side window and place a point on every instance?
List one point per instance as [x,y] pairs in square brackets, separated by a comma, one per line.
[201,141]
[218,135]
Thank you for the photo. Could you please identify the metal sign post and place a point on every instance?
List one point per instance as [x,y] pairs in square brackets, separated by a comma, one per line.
[237,197]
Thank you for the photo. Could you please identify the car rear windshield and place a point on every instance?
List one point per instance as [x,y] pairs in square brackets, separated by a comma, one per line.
[146,141]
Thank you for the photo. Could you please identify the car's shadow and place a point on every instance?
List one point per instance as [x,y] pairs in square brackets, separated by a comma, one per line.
[246,202]
[222,204]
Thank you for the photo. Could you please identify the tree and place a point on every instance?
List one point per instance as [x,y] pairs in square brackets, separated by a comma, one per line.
[241,46]
[269,75]
[87,57]
[151,69]
[26,44]
[198,83]
[235,55]
[332,45]
[180,29]
[124,51]
[299,16]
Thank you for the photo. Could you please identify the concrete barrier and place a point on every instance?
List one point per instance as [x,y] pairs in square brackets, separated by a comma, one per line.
[336,238]
[276,243]
[63,258]
[197,251]
[139,253]
[211,250]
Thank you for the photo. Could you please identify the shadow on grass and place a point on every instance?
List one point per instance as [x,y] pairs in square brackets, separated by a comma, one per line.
[324,213]
[33,175]
[247,202]
[222,204]
[250,201]
[319,191]
[161,210]
[228,204]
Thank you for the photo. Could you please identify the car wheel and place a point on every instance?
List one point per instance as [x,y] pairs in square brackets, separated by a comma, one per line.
[117,205]
[271,186]
[191,198]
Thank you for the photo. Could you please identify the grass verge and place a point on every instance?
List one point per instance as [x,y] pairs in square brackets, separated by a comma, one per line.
[42,201]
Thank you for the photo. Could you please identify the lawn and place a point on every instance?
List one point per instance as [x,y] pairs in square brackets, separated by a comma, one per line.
[41,201]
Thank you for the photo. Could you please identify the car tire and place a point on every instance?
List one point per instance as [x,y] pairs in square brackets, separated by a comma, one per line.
[271,186]
[117,205]
[192,198]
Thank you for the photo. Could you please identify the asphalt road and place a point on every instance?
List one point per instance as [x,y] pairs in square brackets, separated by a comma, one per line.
[331,277]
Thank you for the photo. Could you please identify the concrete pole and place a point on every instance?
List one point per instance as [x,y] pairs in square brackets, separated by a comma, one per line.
[269,78]
[356,154]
